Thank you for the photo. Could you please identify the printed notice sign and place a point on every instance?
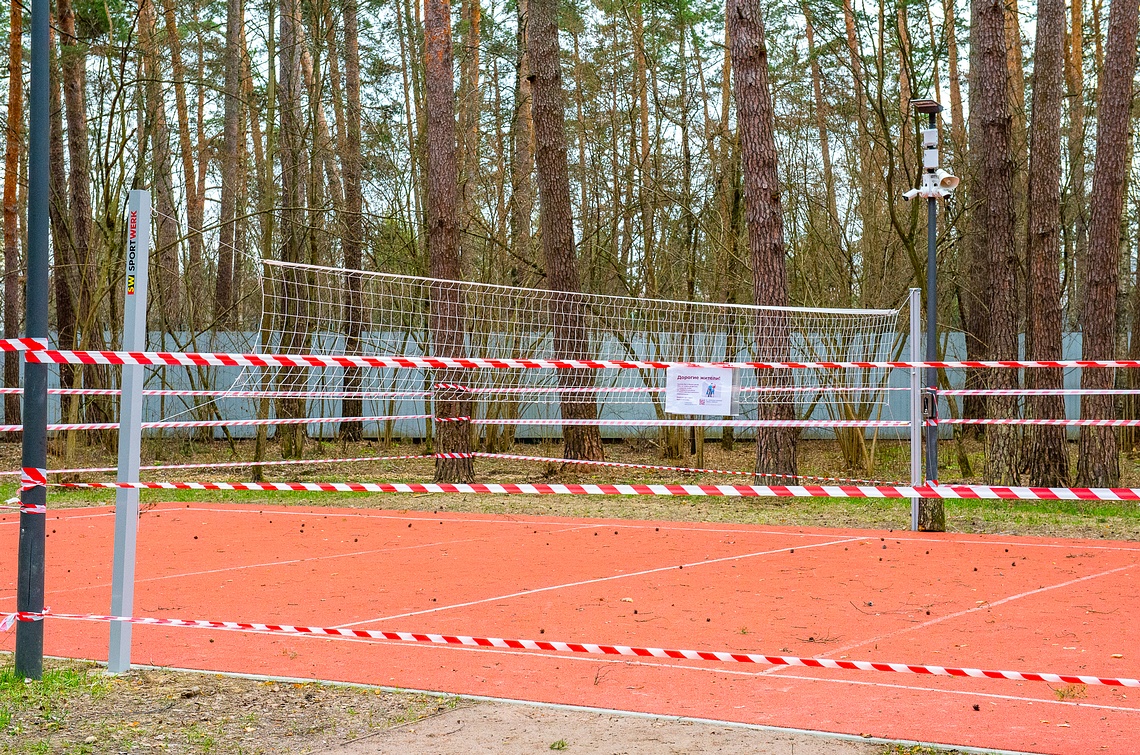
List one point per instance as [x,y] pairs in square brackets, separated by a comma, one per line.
[701,390]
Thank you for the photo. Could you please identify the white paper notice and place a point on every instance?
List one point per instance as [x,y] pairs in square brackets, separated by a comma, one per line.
[700,390]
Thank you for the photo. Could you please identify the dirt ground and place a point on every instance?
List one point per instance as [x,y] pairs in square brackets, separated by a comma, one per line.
[522,730]
[78,708]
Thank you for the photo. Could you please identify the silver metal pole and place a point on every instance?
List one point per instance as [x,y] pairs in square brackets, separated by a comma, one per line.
[130,431]
[915,400]
[932,323]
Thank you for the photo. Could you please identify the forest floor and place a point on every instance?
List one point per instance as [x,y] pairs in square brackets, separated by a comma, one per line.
[79,709]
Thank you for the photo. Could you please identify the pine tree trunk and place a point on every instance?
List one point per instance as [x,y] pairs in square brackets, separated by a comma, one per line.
[1099,462]
[571,340]
[167,234]
[957,119]
[833,236]
[293,323]
[448,315]
[470,107]
[976,287]
[231,150]
[995,210]
[353,220]
[1047,460]
[1076,218]
[522,150]
[73,64]
[728,206]
[412,124]
[64,268]
[1019,139]
[15,135]
[775,448]
[186,150]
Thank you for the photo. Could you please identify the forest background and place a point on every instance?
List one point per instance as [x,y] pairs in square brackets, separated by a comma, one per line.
[319,130]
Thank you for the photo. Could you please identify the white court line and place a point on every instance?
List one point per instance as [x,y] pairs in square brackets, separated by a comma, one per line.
[713,527]
[712,669]
[975,609]
[595,581]
[1020,544]
[241,567]
[533,521]
[61,518]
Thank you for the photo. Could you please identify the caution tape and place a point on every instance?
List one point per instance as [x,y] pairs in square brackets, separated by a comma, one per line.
[178,424]
[263,463]
[472,455]
[710,422]
[727,491]
[509,390]
[1033,421]
[663,468]
[228,393]
[587,648]
[215,359]
[30,478]
[23,344]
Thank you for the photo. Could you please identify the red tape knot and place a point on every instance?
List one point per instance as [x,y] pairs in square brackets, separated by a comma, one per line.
[33,477]
[452,419]
[453,456]
[32,508]
[32,615]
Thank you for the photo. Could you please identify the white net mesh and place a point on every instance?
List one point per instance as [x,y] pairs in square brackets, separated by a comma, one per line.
[308,308]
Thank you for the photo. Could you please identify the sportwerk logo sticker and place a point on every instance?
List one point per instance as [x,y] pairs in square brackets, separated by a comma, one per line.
[132,250]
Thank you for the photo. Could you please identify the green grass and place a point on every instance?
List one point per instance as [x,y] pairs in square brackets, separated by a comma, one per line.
[48,696]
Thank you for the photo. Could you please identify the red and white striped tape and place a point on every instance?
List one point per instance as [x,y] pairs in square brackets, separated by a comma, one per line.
[1033,421]
[728,491]
[229,393]
[1036,391]
[477,454]
[214,359]
[589,648]
[23,344]
[30,478]
[175,424]
[227,464]
[657,467]
[710,422]
[510,390]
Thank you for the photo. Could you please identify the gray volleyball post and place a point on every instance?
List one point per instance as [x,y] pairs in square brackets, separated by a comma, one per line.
[915,401]
[130,431]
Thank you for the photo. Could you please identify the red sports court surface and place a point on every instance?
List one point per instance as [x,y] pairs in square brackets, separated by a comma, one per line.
[995,602]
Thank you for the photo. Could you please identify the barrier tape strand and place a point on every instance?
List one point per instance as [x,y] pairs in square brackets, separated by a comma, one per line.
[215,359]
[663,468]
[986,492]
[589,648]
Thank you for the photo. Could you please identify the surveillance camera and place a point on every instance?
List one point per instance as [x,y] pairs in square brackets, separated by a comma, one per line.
[909,195]
[946,181]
